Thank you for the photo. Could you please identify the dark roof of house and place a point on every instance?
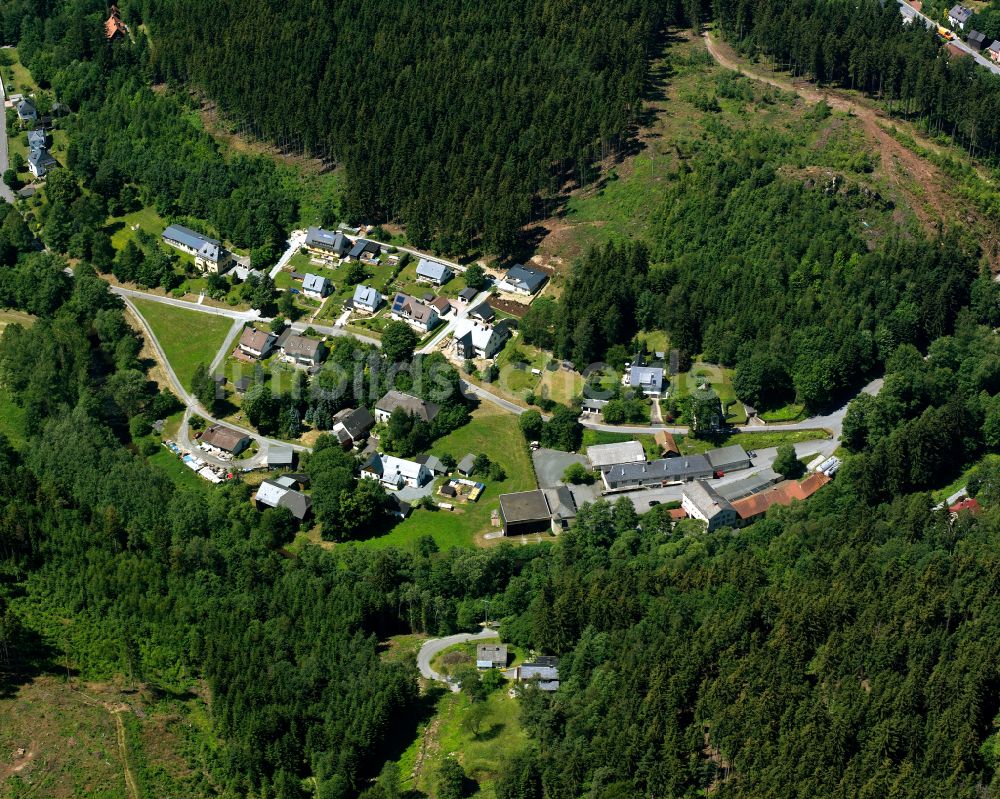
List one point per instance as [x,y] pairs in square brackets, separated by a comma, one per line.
[960,13]
[525,276]
[432,462]
[396,505]
[975,37]
[188,237]
[327,240]
[412,405]
[483,311]
[361,246]
[722,456]
[467,463]
[664,469]
[524,506]
[467,294]
[357,422]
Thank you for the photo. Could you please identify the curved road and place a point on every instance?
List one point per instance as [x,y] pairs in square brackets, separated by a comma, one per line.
[435,645]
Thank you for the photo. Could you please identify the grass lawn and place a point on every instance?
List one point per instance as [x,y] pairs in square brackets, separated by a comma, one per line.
[120,227]
[9,316]
[168,463]
[789,413]
[561,385]
[447,732]
[188,337]
[12,419]
[495,433]
[17,78]
[688,445]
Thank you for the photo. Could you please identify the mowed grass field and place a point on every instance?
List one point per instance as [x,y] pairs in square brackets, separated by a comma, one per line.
[188,338]
[495,433]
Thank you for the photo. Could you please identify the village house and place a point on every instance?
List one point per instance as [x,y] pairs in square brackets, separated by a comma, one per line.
[473,339]
[522,280]
[396,473]
[604,456]
[316,287]
[114,28]
[656,473]
[467,294]
[543,672]
[994,52]
[418,315]
[256,344]
[977,40]
[958,16]
[300,350]
[700,501]
[225,439]
[491,656]
[325,242]
[366,299]
[440,304]
[414,406]
[40,162]
[273,494]
[37,139]
[433,272]
[351,426]
[27,114]
[483,312]
[647,379]
[209,254]
[364,250]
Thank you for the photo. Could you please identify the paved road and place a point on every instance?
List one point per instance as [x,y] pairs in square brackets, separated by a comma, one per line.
[132,294]
[436,645]
[5,190]
[932,25]
[295,242]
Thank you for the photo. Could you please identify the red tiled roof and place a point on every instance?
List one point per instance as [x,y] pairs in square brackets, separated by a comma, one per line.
[677,514]
[114,27]
[968,504]
[665,441]
[781,494]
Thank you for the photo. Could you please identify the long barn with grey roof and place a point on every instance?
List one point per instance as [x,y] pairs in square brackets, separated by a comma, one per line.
[660,472]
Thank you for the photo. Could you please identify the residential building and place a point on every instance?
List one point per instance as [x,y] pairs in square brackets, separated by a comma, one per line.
[604,456]
[483,312]
[425,411]
[592,406]
[209,254]
[656,473]
[114,28]
[994,52]
[256,344]
[396,473]
[525,512]
[352,426]
[433,463]
[647,379]
[473,339]
[271,494]
[440,304]
[397,507]
[491,656]
[300,350]
[418,315]
[316,287]
[958,16]
[977,40]
[280,456]
[37,139]
[325,242]
[27,114]
[467,465]
[467,294]
[366,299]
[967,505]
[700,501]
[40,162]
[728,459]
[364,250]
[433,272]
[522,280]
[751,508]
[542,671]
[225,439]
[665,441]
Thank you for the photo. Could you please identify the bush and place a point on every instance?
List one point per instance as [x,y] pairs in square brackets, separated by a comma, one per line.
[577,474]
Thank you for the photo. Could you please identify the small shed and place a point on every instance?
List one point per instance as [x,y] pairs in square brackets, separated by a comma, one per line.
[467,464]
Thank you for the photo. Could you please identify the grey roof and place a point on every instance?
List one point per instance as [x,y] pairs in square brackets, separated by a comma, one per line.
[467,464]
[26,109]
[467,294]
[275,495]
[366,296]
[280,455]
[534,671]
[357,422]
[206,247]
[525,277]
[302,347]
[316,283]
[668,469]
[36,138]
[433,270]
[361,246]
[432,462]
[397,506]
[646,377]
[977,38]
[412,405]
[706,499]
[328,240]
[524,506]
[725,456]
[483,311]
[755,483]
[561,502]
[411,308]
[604,455]
[960,13]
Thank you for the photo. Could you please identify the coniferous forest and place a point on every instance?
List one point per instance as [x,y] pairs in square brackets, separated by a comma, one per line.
[842,647]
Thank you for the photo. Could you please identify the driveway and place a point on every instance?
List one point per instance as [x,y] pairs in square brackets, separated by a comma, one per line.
[551,463]
[5,190]
[435,645]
